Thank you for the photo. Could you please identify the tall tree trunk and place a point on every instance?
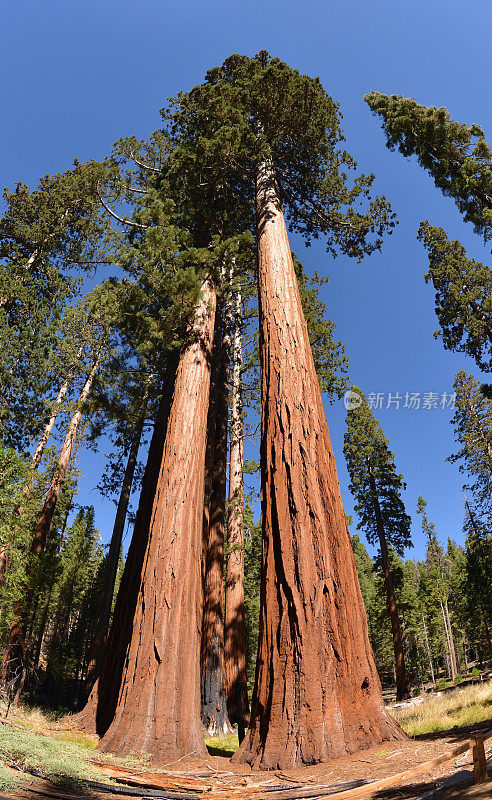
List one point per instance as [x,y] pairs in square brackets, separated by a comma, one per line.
[13,667]
[317,692]
[428,650]
[158,698]
[111,565]
[402,683]
[98,712]
[212,671]
[234,632]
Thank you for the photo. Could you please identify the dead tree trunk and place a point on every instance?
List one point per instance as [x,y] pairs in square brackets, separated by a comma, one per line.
[402,683]
[212,671]
[98,713]
[13,666]
[158,698]
[41,446]
[317,692]
[234,632]
[111,565]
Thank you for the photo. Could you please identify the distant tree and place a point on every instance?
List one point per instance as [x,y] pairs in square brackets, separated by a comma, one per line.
[377,488]
[438,582]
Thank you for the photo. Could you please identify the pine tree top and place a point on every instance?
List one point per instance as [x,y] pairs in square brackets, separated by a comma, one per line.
[454,153]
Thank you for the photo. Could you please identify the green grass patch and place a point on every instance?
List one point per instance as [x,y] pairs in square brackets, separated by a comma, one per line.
[60,761]
[8,778]
[222,745]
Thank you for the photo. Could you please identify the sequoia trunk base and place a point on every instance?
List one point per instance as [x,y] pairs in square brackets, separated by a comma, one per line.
[317,692]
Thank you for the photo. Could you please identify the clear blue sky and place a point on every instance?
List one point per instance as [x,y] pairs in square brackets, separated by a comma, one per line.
[76,76]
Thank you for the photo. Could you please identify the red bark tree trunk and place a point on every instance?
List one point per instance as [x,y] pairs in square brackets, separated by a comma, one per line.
[234,630]
[317,692]
[212,674]
[13,666]
[98,713]
[111,565]
[158,697]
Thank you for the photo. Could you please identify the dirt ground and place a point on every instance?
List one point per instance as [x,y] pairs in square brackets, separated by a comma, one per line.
[216,778]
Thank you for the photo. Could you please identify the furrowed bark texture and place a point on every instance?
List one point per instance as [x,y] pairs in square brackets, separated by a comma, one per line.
[111,566]
[212,674]
[98,713]
[158,706]
[317,693]
[234,629]
[402,683]
[13,667]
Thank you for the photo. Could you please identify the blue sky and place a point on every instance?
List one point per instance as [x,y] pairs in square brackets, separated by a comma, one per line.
[76,76]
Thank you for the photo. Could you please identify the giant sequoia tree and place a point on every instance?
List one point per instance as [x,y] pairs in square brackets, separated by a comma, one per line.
[148,694]
[278,132]
[377,488]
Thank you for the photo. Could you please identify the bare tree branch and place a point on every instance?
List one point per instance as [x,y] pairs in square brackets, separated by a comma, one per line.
[142,163]
[121,219]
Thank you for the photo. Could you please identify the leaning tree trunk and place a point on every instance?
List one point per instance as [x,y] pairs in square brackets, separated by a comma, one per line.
[212,671]
[98,712]
[158,702]
[111,565]
[13,666]
[234,629]
[317,693]
[35,461]
[41,445]
[403,690]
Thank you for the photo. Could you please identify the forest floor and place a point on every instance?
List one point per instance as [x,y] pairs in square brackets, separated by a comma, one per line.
[51,761]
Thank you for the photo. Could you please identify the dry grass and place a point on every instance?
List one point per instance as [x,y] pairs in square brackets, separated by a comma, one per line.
[455,709]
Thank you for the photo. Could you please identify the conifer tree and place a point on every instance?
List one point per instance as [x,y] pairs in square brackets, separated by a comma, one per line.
[158,683]
[47,236]
[473,433]
[463,295]
[377,488]
[456,155]
[261,127]
[439,582]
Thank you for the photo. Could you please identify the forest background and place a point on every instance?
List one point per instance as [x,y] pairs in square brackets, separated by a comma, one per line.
[75,77]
